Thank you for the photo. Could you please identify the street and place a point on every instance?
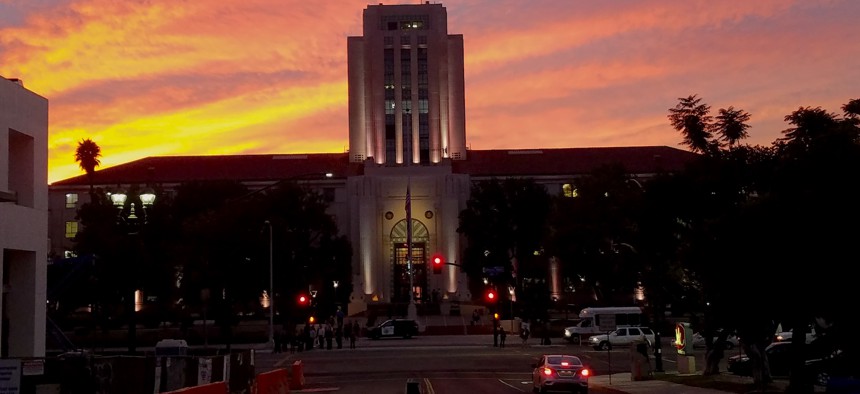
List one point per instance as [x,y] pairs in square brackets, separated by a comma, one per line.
[442,364]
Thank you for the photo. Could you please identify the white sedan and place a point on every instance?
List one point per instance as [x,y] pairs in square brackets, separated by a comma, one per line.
[621,337]
[731,341]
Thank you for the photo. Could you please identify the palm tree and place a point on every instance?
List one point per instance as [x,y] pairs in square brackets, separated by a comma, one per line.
[87,155]
[692,120]
[852,109]
[731,124]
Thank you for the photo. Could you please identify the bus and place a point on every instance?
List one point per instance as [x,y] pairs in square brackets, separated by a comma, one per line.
[589,323]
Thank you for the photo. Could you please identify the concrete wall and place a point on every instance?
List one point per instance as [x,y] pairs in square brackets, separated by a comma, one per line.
[23,219]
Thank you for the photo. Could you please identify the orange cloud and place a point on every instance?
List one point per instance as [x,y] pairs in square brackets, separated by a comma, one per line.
[166,77]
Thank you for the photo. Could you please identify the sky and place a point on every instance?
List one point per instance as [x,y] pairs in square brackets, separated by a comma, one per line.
[205,77]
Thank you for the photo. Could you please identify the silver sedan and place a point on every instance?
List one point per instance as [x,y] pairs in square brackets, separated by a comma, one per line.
[559,372]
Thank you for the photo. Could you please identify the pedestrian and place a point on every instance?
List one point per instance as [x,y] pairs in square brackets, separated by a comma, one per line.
[502,336]
[309,337]
[524,334]
[339,316]
[290,339]
[329,336]
[356,330]
[276,338]
[475,317]
[495,333]
[338,336]
[545,337]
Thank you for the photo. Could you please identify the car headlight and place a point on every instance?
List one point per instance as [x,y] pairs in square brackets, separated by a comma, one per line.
[593,339]
[567,332]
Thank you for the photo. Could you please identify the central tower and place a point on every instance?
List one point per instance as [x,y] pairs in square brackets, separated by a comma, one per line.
[406,126]
[406,87]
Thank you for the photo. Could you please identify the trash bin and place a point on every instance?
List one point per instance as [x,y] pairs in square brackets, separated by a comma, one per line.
[640,365]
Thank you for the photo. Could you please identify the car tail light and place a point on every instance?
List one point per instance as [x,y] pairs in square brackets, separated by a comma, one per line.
[547,371]
[564,363]
[585,372]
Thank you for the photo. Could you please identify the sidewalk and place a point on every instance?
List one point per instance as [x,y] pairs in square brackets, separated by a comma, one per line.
[622,383]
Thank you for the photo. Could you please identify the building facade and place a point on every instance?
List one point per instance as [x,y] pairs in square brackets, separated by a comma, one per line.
[23,219]
[406,133]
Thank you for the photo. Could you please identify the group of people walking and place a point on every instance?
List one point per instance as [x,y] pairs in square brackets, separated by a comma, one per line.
[333,333]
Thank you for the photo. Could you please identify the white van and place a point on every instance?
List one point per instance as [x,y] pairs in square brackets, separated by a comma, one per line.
[589,324]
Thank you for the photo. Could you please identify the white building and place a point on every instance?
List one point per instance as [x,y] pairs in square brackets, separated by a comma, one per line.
[23,219]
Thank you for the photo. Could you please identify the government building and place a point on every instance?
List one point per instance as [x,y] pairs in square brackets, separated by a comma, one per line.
[407,130]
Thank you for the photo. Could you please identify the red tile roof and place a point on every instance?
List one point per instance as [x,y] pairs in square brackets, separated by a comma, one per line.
[572,161]
[480,163]
[177,169]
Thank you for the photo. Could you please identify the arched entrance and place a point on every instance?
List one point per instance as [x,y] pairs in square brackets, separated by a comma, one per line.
[400,253]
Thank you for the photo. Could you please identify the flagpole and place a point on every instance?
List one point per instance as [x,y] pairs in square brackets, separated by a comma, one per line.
[411,311]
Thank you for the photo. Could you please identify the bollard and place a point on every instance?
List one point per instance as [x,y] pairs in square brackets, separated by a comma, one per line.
[297,381]
[412,387]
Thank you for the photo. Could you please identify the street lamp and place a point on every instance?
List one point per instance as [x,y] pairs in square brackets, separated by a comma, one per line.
[271,290]
[131,224]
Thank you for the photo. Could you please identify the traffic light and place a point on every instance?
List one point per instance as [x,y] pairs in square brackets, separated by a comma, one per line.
[496,316]
[491,296]
[311,320]
[438,262]
[303,300]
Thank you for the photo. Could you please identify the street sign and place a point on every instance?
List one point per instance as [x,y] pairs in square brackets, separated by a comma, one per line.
[606,323]
[493,270]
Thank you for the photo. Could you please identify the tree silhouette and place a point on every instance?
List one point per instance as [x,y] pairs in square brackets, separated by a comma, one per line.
[87,156]
[692,119]
[731,125]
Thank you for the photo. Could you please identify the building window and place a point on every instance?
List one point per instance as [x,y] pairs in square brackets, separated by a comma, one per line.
[67,254]
[71,200]
[569,191]
[71,229]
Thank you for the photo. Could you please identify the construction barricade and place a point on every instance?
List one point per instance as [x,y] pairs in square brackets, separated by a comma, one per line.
[297,381]
[273,382]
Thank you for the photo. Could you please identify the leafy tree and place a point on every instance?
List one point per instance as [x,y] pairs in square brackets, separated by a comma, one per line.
[731,125]
[594,234]
[87,156]
[504,222]
[692,118]
[764,210]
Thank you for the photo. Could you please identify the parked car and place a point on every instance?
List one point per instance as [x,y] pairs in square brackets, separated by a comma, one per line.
[818,368]
[405,328]
[731,340]
[785,336]
[560,372]
[621,337]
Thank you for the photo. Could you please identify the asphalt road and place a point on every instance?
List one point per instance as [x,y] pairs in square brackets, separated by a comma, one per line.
[440,364]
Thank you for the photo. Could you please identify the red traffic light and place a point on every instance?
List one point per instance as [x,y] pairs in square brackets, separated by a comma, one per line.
[303,299]
[491,295]
[438,262]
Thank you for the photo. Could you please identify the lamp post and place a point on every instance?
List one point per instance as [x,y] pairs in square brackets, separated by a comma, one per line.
[271,290]
[131,225]
[512,292]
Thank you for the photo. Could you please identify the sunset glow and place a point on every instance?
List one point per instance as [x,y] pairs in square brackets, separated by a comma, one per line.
[161,77]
